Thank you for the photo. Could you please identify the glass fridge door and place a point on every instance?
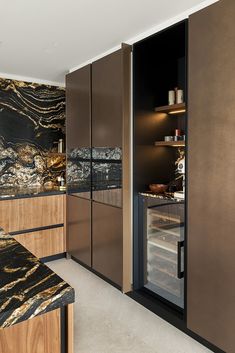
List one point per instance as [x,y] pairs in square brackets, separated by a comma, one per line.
[164,262]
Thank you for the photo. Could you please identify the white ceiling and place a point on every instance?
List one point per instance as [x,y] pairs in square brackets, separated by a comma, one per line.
[43,39]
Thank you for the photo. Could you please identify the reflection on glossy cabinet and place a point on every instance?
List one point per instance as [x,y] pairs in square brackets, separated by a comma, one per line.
[79,229]
[78,108]
[107,100]
[107,241]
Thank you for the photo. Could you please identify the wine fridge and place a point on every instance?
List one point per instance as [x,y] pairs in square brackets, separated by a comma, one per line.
[162,246]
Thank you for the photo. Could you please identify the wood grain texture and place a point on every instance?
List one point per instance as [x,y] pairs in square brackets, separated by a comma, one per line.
[211,165]
[30,213]
[70,328]
[43,243]
[38,335]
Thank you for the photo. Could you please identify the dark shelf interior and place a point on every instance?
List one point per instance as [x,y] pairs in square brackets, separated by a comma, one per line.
[159,66]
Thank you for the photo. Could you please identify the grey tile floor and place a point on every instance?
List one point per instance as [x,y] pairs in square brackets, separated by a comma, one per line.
[107,321]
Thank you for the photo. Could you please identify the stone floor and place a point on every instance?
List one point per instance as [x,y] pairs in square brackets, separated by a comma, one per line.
[107,321]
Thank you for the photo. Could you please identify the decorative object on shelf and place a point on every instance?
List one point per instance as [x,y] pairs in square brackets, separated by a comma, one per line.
[180,173]
[177,136]
[158,188]
[180,96]
[176,93]
[168,138]
[171,97]
[60,146]
[61,182]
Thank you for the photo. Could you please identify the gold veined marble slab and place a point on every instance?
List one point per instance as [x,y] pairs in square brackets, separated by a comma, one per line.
[27,287]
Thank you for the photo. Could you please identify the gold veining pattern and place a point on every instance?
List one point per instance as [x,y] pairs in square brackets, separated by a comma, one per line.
[32,120]
[27,287]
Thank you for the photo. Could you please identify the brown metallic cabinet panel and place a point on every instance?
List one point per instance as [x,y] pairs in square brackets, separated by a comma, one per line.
[107,104]
[211,165]
[78,108]
[79,229]
[107,241]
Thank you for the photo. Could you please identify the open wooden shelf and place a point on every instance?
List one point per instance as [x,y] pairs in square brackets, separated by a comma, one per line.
[170,143]
[173,109]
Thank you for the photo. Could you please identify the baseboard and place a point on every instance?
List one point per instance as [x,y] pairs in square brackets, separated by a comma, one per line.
[53,257]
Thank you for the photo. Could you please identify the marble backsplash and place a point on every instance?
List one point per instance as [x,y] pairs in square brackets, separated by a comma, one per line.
[96,168]
[32,120]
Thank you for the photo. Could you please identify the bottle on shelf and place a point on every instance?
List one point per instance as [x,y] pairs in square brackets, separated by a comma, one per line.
[60,146]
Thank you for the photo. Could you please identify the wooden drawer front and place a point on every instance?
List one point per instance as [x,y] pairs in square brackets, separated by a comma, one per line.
[44,242]
[41,334]
[30,213]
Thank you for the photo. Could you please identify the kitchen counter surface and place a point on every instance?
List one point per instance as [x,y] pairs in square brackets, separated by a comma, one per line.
[27,287]
[7,193]
[165,196]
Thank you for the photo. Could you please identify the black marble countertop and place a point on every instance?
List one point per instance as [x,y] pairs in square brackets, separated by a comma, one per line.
[27,287]
[7,193]
[165,196]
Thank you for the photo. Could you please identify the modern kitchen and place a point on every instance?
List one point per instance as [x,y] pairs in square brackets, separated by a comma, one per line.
[113,236]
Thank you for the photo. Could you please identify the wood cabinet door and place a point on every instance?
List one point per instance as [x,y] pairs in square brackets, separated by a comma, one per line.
[79,229]
[211,166]
[43,243]
[41,334]
[107,241]
[33,212]
[78,108]
[107,103]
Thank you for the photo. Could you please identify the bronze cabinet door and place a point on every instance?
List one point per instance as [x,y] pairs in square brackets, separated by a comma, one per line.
[211,166]
[78,108]
[107,104]
[79,229]
[107,241]
[78,131]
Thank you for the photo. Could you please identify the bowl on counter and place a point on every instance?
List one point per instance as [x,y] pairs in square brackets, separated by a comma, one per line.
[158,188]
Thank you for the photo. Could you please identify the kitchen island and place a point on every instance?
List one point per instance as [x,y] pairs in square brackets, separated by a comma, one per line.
[35,304]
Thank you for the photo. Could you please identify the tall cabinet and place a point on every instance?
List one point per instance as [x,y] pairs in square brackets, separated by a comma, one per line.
[184,252]
[211,165]
[98,175]
[78,139]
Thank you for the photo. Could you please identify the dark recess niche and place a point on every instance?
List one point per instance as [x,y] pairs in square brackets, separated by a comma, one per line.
[159,66]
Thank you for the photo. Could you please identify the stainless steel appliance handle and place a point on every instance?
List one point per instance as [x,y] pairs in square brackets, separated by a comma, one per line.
[180,245]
